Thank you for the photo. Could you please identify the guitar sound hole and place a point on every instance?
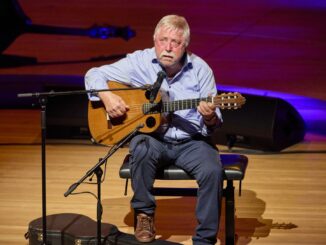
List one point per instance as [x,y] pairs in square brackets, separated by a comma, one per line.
[150,122]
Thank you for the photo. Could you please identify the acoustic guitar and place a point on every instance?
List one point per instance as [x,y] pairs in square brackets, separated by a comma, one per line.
[142,114]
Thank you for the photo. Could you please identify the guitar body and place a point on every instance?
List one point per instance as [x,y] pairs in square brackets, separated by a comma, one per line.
[109,132]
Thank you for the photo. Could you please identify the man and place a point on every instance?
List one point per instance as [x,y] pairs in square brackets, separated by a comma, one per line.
[181,139]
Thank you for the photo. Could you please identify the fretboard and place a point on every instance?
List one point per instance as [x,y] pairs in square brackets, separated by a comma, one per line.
[172,106]
[179,105]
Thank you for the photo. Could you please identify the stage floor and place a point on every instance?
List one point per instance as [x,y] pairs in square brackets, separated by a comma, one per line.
[283,195]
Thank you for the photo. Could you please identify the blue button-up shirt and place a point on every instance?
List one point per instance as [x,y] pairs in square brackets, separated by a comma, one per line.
[194,80]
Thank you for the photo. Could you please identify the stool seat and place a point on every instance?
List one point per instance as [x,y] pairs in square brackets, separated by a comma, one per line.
[234,166]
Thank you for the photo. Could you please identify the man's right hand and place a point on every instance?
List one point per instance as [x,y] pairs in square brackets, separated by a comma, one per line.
[114,104]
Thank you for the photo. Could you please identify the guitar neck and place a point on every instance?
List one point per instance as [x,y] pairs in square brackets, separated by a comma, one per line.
[223,101]
[171,106]
[183,104]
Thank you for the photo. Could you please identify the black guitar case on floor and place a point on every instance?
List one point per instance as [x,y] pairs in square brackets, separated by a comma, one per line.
[77,229]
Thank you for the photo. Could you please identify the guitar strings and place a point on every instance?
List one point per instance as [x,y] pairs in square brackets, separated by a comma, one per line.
[181,102]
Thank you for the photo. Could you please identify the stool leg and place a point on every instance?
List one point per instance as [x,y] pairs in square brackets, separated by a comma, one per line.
[229,214]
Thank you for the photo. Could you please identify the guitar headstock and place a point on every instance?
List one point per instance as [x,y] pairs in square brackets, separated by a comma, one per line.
[229,100]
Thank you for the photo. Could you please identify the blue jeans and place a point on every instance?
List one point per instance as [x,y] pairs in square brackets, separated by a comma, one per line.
[196,157]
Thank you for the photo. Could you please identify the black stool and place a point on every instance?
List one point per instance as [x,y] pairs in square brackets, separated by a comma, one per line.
[234,166]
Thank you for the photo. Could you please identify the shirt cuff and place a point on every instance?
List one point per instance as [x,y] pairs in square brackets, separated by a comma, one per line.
[208,130]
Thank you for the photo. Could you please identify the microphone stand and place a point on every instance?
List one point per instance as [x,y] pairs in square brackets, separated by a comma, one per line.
[43,99]
[98,172]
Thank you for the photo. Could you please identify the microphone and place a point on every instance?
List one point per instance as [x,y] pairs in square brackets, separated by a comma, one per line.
[157,85]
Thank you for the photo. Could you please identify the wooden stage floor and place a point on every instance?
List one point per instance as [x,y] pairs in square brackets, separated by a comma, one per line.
[283,197]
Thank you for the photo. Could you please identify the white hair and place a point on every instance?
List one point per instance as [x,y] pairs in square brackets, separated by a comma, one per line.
[174,22]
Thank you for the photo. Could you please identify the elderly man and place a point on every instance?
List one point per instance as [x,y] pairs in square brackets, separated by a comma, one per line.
[182,138]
